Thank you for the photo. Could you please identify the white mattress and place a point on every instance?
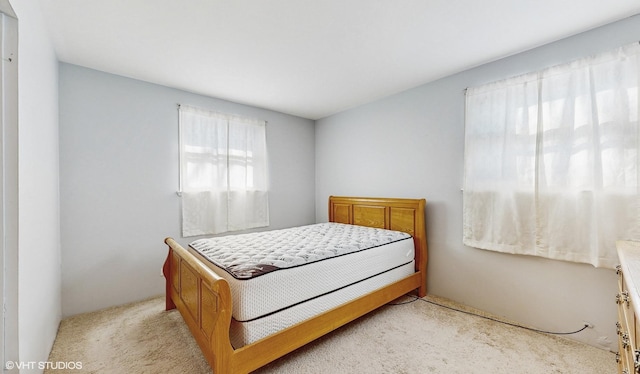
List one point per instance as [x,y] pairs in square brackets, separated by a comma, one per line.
[358,253]
[243,333]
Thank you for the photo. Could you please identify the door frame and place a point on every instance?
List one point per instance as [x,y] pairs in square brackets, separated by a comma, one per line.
[8,185]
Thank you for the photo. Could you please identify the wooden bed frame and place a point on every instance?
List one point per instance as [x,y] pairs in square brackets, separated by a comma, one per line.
[204,298]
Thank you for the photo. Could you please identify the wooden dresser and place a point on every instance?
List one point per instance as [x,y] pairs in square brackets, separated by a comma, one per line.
[628,300]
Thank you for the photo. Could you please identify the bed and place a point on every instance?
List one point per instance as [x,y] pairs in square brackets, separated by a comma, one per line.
[202,292]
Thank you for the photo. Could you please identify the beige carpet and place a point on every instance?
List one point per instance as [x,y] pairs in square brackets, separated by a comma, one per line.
[412,338]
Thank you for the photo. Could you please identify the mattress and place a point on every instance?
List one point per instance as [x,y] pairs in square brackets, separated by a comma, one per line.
[301,264]
[243,333]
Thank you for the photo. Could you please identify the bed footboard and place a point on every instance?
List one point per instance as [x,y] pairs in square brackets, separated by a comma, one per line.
[204,300]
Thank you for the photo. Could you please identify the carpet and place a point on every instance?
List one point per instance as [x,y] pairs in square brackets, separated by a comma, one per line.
[414,337]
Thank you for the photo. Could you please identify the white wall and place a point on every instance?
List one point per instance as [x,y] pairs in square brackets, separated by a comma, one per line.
[411,145]
[38,204]
[119,176]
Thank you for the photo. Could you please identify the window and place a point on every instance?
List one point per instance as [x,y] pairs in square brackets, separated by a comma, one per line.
[223,172]
[551,160]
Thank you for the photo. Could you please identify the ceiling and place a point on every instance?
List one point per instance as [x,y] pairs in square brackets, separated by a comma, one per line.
[309,58]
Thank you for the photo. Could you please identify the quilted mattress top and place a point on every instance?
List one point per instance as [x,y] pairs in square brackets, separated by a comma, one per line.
[247,256]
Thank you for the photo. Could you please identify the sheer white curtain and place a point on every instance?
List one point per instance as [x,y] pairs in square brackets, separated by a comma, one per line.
[223,172]
[551,160]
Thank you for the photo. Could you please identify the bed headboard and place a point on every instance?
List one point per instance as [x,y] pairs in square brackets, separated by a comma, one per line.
[406,215]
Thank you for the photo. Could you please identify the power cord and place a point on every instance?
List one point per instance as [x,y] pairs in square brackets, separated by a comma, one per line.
[415,298]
